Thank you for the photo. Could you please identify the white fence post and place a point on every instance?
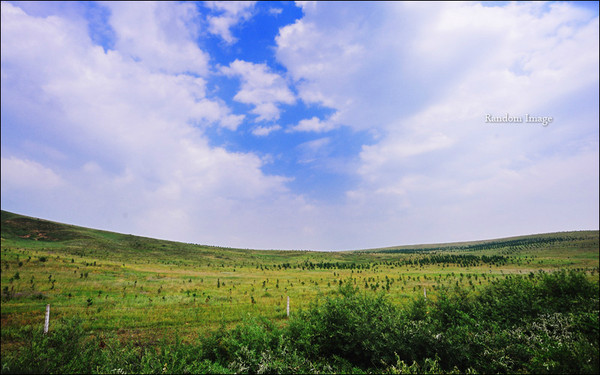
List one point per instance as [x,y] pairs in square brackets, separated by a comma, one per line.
[47,322]
[425,293]
[288,306]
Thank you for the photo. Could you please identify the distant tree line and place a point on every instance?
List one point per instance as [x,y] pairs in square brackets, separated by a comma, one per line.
[514,243]
[467,260]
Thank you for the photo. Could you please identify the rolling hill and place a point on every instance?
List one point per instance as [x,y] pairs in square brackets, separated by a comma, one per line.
[17,228]
[143,291]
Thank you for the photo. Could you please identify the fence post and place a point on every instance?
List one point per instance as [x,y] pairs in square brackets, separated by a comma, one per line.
[425,293]
[47,322]
[288,306]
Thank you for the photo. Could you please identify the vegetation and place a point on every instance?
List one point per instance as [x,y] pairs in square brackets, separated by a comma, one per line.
[126,304]
[554,330]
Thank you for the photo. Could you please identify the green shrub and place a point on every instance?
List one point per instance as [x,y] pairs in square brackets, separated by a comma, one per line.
[359,328]
[62,350]
[252,345]
[542,323]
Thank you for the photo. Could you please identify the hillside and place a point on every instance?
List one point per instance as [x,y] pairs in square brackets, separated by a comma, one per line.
[19,230]
[143,290]
[79,241]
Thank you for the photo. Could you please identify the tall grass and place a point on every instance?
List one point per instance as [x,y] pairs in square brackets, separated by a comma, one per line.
[537,323]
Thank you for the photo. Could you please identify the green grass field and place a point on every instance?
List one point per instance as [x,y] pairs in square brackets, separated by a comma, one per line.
[145,289]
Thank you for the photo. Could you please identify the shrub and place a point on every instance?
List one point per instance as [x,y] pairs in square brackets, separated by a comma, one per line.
[62,350]
[358,328]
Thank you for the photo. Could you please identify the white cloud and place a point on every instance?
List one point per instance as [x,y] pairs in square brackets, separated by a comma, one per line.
[26,174]
[275,11]
[315,124]
[137,159]
[232,13]
[262,131]
[422,78]
[399,58]
[159,34]
[311,151]
[260,87]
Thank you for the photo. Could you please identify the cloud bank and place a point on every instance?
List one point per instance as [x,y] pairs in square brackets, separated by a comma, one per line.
[112,124]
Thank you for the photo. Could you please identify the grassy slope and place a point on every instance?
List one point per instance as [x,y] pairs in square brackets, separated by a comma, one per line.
[18,230]
[145,287]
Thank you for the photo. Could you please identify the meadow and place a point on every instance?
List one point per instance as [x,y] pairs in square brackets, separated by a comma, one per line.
[149,297]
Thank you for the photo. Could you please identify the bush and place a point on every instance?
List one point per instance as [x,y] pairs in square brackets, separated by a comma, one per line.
[542,323]
[252,345]
[358,328]
[62,350]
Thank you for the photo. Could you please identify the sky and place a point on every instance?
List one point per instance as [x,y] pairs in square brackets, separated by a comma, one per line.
[308,125]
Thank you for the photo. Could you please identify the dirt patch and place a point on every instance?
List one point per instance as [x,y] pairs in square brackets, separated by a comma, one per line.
[37,235]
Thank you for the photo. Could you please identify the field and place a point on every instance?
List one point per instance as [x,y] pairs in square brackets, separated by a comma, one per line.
[144,290]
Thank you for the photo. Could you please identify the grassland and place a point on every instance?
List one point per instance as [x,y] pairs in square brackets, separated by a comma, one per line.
[144,289]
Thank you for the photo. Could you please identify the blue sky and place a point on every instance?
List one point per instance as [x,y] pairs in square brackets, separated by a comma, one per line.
[281,125]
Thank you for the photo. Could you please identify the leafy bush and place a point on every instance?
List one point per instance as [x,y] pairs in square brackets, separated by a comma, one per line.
[542,323]
[360,329]
[61,350]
